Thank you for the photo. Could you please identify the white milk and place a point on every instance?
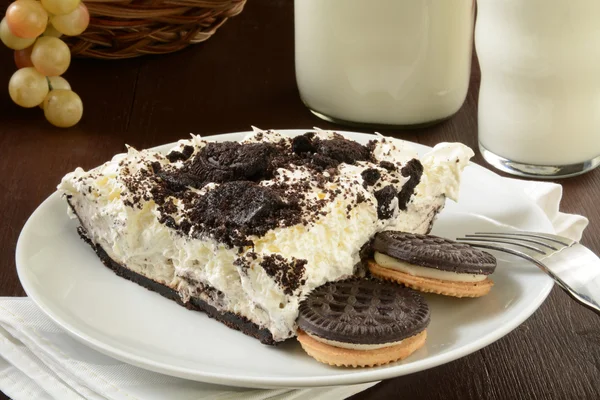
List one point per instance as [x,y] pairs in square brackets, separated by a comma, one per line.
[539,101]
[395,62]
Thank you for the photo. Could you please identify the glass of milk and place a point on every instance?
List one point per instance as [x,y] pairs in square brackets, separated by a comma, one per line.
[539,102]
[390,63]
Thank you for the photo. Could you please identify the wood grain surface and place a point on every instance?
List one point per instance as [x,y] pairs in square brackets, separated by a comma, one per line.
[244,76]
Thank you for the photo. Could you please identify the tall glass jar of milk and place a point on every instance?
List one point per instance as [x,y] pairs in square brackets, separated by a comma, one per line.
[384,63]
[539,101]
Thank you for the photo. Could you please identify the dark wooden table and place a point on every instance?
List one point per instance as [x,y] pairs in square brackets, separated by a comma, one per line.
[245,76]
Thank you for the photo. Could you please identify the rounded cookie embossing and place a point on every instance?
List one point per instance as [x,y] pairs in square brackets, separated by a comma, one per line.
[336,319]
[363,311]
[434,252]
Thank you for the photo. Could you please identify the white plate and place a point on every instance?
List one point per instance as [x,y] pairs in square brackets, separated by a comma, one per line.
[67,281]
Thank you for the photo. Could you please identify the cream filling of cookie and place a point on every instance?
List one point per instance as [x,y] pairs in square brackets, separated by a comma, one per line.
[425,272]
[353,346]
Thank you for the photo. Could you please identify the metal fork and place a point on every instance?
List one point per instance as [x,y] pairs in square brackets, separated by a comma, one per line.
[574,267]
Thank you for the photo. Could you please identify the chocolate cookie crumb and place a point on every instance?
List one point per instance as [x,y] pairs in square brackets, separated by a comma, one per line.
[182,155]
[302,144]
[414,170]
[387,165]
[384,199]
[370,176]
[342,150]
[288,274]
[234,210]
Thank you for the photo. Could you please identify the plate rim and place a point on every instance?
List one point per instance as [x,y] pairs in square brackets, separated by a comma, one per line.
[359,376]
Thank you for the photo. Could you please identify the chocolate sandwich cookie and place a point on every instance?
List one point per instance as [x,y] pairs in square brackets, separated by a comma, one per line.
[361,322]
[432,264]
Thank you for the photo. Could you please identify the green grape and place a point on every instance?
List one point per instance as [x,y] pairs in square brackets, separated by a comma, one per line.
[51,56]
[51,31]
[57,82]
[11,41]
[26,18]
[27,87]
[23,58]
[60,7]
[72,24]
[63,108]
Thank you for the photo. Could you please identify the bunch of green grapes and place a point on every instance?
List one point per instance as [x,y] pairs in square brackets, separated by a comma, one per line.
[32,29]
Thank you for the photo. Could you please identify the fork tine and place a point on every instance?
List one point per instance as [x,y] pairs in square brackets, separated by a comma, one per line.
[553,238]
[518,253]
[478,241]
[514,237]
[492,245]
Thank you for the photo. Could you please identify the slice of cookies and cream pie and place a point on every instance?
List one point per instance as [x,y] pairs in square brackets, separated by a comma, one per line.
[245,230]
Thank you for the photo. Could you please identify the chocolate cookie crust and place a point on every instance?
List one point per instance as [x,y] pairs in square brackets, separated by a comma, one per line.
[434,252]
[231,320]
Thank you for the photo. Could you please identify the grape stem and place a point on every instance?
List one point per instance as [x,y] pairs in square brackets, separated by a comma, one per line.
[49,84]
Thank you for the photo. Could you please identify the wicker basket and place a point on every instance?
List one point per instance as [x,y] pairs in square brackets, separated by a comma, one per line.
[131,28]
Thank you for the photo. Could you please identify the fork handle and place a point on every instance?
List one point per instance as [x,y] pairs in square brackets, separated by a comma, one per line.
[587,294]
[569,274]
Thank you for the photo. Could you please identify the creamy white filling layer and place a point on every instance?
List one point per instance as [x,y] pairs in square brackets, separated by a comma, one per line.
[353,346]
[134,237]
[425,272]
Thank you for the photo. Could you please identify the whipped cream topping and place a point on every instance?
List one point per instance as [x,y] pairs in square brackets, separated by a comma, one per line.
[425,272]
[141,211]
[443,168]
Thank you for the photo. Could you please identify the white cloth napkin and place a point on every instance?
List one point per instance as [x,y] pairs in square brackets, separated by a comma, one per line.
[38,360]
[547,196]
